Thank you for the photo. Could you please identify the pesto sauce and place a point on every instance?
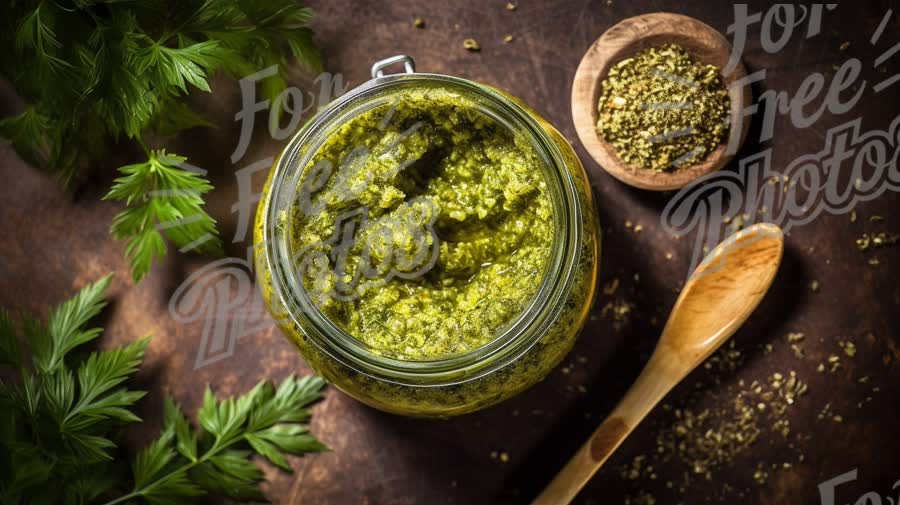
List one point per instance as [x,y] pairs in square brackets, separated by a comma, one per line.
[452,226]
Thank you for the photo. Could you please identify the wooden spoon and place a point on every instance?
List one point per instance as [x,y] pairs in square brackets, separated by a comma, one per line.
[704,43]
[717,299]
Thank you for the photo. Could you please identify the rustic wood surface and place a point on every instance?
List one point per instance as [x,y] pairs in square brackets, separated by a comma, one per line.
[55,242]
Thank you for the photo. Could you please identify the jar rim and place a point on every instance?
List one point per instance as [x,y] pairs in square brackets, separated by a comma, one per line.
[518,336]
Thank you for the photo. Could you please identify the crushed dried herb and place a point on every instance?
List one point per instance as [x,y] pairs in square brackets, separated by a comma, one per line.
[709,430]
[715,430]
[876,240]
[661,109]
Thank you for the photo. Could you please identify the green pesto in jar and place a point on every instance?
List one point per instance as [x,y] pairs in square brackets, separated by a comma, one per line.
[423,226]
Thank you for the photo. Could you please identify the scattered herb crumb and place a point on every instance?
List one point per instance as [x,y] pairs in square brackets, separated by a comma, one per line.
[795,337]
[710,429]
[834,361]
[876,240]
[707,430]
[760,476]
[848,347]
[471,45]
[620,311]
[611,286]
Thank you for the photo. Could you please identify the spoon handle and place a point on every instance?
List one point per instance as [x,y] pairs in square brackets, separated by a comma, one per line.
[716,300]
[659,376]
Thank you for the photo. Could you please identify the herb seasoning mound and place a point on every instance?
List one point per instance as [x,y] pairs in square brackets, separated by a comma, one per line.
[454,233]
[662,110]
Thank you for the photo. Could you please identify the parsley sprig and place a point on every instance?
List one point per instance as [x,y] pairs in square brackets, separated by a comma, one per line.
[162,198]
[66,409]
[94,71]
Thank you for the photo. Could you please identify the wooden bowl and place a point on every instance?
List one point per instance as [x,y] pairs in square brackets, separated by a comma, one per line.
[627,38]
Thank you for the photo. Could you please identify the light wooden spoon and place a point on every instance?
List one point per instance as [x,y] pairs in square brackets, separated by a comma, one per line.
[716,300]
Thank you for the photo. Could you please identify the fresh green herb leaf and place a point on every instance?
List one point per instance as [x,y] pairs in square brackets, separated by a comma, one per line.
[162,198]
[28,133]
[97,376]
[292,439]
[175,489]
[67,320]
[176,116]
[151,461]
[213,478]
[176,67]
[186,439]
[93,72]
[267,450]
[62,420]
[223,467]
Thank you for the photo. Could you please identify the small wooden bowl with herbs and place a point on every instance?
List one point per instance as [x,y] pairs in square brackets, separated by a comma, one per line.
[652,105]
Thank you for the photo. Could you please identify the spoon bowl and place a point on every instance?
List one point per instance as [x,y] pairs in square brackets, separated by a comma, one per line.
[731,279]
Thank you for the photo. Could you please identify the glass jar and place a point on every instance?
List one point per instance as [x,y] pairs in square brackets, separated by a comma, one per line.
[522,353]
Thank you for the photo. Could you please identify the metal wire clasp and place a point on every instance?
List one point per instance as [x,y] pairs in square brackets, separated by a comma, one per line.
[408,64]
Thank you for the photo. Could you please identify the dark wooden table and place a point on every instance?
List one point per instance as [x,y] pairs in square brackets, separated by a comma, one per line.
[55,242]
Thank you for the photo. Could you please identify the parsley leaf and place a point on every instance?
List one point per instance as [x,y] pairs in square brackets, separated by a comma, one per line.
[162,198]
[94,72]
[184,462]
[65,414]
[51,344]
[172,67]
[63,423]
